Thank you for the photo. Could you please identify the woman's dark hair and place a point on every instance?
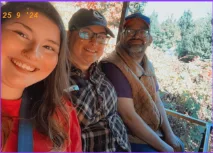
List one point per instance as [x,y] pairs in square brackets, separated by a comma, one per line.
[47,97]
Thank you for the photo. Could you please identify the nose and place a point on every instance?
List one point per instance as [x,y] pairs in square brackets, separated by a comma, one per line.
[32,52]
[137,34]
[94,40]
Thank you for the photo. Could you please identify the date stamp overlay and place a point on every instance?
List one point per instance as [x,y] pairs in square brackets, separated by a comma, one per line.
[32,15]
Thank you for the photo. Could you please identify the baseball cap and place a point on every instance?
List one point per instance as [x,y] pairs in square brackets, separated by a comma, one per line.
[84,17]
[137,15]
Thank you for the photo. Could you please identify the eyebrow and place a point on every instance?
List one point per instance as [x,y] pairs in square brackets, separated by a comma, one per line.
[27,27]
[24,25]
[53,42]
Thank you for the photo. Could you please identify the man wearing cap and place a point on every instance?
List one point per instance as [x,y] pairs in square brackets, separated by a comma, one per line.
[133,77]
[96,100]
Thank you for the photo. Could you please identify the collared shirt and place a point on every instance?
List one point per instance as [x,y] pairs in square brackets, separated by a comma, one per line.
[96,104]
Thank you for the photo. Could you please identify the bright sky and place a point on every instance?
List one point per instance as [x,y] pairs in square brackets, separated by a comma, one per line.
[165,9]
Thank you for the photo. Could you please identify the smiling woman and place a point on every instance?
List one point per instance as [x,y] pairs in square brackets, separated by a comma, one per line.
[34,77]
[96,101]
[33,55]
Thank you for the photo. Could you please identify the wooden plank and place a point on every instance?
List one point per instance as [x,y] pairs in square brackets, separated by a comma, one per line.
[206,141]
[123,14]
[188,118]
[208,126]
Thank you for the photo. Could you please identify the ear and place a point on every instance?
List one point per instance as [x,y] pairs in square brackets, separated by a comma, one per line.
[121,35]
[150,39]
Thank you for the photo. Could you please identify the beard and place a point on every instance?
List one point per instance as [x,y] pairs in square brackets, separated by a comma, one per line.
[135,50]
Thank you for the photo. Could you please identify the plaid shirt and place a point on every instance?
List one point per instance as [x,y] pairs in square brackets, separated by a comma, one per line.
[96,104]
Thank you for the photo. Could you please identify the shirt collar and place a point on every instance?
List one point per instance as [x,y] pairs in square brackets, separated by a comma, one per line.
[78,72]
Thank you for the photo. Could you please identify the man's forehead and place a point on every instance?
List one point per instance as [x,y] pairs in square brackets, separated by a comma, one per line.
[136,23]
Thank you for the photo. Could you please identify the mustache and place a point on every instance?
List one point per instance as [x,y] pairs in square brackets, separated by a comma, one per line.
[143,41]
[135,39]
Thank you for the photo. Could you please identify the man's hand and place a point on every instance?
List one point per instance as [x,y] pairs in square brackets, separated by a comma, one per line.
[173,141]
[167,148]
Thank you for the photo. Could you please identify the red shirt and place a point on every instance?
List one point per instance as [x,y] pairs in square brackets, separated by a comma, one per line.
[40,142]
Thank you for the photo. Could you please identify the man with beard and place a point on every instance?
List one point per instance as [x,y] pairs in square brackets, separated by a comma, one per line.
[139,103]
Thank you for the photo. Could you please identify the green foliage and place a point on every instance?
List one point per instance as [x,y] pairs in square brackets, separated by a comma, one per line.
[202,42]
[196,37]
[190,104]
[170,33]
[156,30]
[188,38]
[165,35]
[186,24]
[135,7]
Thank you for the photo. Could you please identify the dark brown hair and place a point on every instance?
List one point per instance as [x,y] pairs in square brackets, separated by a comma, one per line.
[47,96]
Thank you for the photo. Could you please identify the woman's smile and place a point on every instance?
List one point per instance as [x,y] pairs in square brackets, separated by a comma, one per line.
[90,50]
[23,65]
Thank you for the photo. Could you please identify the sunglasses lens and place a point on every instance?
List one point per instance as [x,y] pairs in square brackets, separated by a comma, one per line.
[102,38]
[85,34]
[88,34]
[130,32]
[141,32]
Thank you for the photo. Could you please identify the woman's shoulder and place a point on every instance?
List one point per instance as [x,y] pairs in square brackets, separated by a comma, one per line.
[74,129]
[69,105]
[11,107]
[72,111]
[65,111]
[67,117]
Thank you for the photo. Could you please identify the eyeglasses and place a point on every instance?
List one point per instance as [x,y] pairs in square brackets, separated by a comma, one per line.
[142,32]
[87,34]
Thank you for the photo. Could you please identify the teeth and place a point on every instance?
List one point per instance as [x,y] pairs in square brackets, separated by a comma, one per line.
[93,51]
[23,65]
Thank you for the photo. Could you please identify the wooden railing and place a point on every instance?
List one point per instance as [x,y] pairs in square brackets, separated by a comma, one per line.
[208,127]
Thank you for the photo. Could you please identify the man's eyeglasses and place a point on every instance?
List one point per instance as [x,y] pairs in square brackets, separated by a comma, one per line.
[131,32]
[87,34]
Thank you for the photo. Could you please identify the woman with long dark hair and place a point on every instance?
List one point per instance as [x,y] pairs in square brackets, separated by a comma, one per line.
[34,76]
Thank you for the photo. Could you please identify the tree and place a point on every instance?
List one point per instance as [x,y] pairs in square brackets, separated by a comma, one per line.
[155,30]
[196,37]
[170,33]
[202,42]
[185,46]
